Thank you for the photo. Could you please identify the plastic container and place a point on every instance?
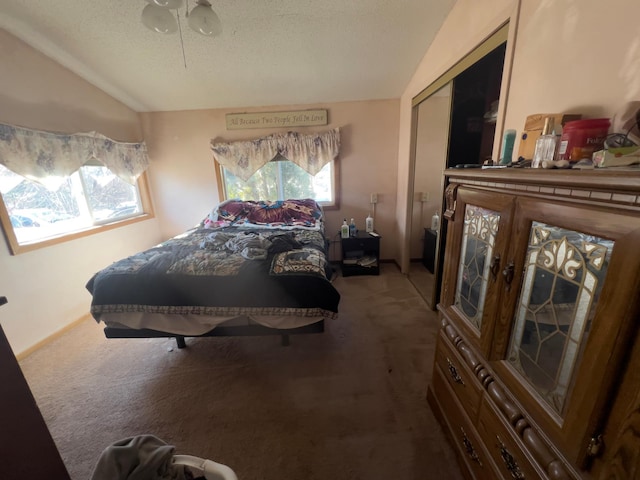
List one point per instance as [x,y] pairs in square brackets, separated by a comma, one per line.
[581,138]
[369,224]
[508,140]
[435,221]
[344,229]
[353,231]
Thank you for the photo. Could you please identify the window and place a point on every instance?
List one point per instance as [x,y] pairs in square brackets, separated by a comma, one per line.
[280,179]
[280,166]
[90,198]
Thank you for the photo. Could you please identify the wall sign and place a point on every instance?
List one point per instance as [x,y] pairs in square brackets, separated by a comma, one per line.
[299,118]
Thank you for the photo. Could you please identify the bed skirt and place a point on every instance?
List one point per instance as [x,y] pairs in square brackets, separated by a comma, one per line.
[238,326]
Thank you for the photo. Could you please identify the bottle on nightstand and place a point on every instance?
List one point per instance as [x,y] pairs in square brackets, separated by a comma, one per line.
[344,229]
[352,228]
[435,222]
[369,224]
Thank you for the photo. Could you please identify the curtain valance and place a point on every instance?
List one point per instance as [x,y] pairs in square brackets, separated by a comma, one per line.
[310,152]
[48,158]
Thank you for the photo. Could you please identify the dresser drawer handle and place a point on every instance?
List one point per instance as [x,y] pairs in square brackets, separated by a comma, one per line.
[510,462]
[468,446]
[453,372]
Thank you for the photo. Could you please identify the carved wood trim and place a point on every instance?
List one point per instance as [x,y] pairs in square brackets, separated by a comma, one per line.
[538,179]
[450,201]
[598,188]
[544,456]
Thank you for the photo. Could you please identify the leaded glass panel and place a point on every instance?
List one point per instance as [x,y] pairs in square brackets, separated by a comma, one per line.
[563,275]
[478,243]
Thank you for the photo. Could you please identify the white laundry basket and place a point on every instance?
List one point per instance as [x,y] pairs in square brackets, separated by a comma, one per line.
[208,469]
[146,457]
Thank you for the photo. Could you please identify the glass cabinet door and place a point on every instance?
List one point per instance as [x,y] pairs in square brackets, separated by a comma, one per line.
[478,239]
[564,271]
[560,340]
[477,250]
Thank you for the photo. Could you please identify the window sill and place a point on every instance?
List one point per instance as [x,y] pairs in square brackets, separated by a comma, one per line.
[331,206]
[16,249]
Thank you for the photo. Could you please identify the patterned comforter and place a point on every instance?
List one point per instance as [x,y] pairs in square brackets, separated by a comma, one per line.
[223,271]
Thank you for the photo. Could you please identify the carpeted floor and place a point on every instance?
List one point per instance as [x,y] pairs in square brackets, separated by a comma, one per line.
[345,404]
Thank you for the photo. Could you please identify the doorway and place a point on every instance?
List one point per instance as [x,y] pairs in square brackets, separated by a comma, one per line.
[453,124]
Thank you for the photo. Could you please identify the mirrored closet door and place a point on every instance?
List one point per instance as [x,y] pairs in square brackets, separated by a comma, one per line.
[432,118]
[453,124]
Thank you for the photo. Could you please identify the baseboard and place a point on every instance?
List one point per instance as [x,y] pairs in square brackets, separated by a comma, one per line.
[25,353]
[392,260]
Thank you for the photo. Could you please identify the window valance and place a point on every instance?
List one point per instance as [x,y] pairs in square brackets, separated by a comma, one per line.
[310,152]
[48,158]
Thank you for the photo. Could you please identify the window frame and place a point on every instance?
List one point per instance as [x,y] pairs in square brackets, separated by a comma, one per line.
[335,205]
[15,248]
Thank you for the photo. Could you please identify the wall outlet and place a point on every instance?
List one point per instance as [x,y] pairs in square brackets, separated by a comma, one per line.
[374,198]
[424,197]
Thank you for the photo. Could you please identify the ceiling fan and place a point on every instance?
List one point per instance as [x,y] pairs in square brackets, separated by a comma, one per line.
[157,15]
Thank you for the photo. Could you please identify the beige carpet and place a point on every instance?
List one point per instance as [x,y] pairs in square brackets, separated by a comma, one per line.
[346,404]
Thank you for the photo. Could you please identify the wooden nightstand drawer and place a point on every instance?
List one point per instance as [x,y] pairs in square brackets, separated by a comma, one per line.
[463,433]
[459,376]
[364,243]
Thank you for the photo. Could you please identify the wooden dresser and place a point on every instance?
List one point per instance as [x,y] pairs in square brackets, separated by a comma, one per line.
[537,368]
[27,448]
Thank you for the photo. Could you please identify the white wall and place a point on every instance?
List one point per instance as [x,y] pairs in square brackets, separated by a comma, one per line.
[45,287]
[184,181]
[575,56]
[568,56]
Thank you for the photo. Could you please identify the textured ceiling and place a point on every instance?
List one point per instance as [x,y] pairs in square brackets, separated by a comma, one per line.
[270,52]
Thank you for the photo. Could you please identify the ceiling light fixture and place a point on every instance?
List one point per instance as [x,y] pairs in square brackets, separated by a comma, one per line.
[157,16]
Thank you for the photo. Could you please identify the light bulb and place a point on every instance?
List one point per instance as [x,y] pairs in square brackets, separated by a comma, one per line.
[171,4]
[159,19]
[204,20]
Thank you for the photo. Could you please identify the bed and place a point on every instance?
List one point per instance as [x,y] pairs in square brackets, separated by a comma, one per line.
[249,268]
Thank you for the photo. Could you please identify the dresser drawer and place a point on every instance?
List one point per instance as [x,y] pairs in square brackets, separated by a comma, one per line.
[507,452]
[462,432]
[459,376]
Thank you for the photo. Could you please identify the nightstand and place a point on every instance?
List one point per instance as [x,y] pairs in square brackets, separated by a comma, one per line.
[361,255]
[429,253]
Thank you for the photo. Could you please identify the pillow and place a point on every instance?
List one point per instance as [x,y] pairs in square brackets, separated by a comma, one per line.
[292,212]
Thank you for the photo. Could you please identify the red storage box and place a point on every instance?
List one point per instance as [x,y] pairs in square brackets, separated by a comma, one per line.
[581,138]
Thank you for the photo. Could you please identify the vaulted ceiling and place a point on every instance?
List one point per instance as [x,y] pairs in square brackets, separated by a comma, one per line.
[270,52]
